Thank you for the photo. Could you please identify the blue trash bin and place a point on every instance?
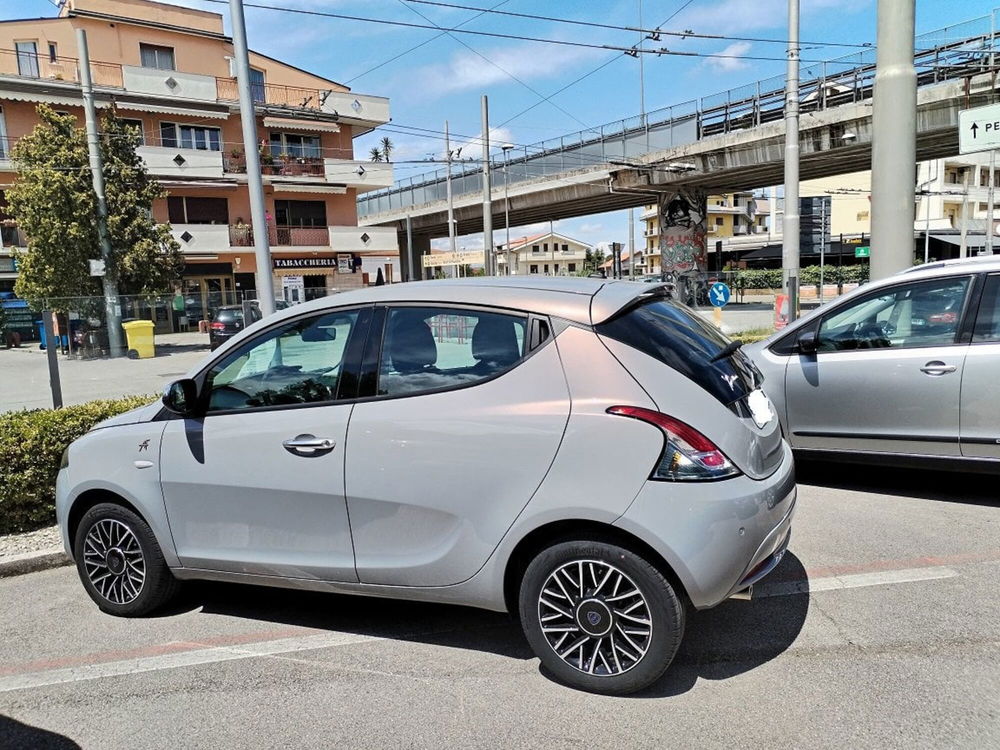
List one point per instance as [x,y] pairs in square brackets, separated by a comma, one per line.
[44,336]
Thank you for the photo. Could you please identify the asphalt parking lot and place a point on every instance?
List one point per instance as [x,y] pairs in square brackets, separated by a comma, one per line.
[881,628]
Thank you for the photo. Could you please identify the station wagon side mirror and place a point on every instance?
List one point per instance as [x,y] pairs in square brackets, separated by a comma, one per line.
[181,397]
[808,342]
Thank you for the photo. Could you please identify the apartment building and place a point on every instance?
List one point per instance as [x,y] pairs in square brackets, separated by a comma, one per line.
[169,71]
[549,254]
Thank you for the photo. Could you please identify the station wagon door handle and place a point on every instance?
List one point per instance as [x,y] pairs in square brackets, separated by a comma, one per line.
[937,368]
[308,445]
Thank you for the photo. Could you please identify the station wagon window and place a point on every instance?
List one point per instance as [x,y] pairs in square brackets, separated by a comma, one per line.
[911,315]
[298,363]
[988,319]
[427,349]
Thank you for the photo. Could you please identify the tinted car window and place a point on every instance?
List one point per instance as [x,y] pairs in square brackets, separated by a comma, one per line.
[911,315]
[427,348]
[988,319]
[680,338]
[297,363]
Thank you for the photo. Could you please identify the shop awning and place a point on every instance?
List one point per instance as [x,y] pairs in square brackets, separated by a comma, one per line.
[971,240]
[308,126]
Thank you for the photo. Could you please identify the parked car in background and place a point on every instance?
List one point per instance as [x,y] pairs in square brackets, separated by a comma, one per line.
[228,320]
[902,371]
[465,428]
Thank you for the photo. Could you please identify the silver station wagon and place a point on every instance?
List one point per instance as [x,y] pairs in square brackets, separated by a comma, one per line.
[588,455]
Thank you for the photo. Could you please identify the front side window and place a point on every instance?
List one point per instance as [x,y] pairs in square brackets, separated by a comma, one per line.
[27,58]
[156,56]
[298,363]
[427,349]
[988,320]
[257,89]
[183,209]
[926,313]
[300,213]
[295,145]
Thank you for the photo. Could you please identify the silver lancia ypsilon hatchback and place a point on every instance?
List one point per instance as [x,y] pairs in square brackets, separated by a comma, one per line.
[588,455]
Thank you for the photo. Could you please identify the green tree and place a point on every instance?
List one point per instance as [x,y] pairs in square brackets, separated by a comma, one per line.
[54,203]
[375,154]
[387,147]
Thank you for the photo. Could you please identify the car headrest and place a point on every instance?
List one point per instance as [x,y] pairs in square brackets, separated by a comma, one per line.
[411,345]
[494,341]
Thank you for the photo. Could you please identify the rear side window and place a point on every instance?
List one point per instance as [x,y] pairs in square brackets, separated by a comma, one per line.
[427,349]
[681,339]
[988,319]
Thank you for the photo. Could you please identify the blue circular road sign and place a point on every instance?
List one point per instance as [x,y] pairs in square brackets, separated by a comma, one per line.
[718,294]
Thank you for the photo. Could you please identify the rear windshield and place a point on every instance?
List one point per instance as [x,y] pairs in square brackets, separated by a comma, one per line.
[682,339]
[227,316]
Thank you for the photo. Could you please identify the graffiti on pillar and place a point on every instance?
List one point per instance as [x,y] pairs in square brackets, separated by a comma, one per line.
[682,232]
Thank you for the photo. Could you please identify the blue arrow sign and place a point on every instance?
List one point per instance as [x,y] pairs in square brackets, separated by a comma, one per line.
[718,294]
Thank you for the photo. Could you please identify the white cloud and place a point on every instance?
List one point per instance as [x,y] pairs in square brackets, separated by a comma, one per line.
[466,70]
[729,64]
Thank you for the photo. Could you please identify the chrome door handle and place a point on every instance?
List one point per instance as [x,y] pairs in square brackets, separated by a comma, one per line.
[937,368]
[308,445]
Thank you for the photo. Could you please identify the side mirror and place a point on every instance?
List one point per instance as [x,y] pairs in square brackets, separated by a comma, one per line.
[181,397]
[808,342]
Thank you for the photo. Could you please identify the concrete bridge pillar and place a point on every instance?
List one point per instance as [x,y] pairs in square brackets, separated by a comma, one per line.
[421,246]
[683,248]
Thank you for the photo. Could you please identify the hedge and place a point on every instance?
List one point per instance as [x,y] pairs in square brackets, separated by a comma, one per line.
[31,447]
[770,278]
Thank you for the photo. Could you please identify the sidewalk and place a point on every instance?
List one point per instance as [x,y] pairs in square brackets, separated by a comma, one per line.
[24,374]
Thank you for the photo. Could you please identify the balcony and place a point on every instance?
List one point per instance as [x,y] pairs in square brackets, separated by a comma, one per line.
[170,83]
[364,240]
[201,238]
[351,108]
[361,175]
[42,67]
[242,235]
[163,161]
[302,166]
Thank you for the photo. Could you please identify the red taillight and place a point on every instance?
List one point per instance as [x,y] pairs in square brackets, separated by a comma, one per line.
[687,454]
[218,326]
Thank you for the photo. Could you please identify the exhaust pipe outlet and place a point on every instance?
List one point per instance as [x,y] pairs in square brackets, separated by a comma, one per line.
[744,595]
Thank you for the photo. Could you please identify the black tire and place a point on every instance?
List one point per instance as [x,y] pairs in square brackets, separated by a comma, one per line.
[613,673]
[124,598]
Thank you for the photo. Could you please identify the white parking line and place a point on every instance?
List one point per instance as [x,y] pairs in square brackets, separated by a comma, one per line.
[853,581]
[181,659]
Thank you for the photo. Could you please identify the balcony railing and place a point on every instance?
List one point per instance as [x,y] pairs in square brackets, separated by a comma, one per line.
[302,166]
[241,235]
[43,67]
[272,94]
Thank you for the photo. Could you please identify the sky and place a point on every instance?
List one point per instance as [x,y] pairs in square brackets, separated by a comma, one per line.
[430,76]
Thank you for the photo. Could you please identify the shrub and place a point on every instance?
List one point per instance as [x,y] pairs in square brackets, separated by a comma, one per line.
[31,447]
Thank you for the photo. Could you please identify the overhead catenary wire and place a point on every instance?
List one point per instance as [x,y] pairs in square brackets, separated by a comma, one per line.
[650,33]
[658,52]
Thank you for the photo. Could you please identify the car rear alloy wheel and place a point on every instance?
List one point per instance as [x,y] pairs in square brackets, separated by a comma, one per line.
[120,562]
[600,617]
[594,617]
[114,562]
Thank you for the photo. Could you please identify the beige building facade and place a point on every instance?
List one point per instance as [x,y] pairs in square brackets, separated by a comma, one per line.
[169,71]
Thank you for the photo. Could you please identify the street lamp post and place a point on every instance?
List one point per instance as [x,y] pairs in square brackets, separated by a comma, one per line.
[506,206]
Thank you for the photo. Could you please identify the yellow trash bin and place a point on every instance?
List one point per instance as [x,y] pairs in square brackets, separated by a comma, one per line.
[139,334]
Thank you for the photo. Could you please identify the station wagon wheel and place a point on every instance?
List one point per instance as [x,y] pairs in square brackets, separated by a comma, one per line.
[600,617]
[120,562]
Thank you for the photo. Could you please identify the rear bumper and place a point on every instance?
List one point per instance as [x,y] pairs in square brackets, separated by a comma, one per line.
[718,537]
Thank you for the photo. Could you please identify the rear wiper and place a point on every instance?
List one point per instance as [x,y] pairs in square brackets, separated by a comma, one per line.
[727,351]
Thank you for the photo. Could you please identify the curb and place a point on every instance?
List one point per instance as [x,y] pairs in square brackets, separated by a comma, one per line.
[30,562]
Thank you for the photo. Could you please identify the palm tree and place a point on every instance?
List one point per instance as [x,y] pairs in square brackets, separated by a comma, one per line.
[387,147]
[375,154]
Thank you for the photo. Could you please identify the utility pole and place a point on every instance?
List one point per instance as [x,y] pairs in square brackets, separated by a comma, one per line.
[642,74]
[631,242]
[963,250]
[790,240]
[109,282]
[989,205]
[248,119]
[409,248]
[447,182]
[506,207]
[822,246]
[487,197]
[894,140]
